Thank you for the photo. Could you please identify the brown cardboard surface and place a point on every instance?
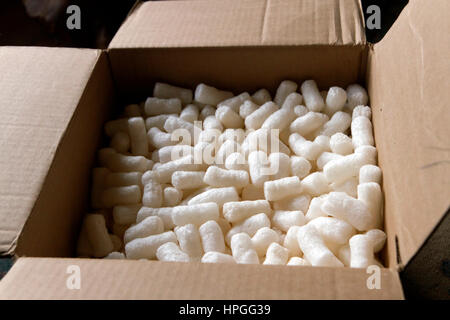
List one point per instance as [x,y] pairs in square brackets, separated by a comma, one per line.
[40,89]
[408,85]
[241,22]
[45,278]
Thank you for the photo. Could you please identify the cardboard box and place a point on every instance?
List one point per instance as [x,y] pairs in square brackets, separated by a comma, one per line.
[56,100]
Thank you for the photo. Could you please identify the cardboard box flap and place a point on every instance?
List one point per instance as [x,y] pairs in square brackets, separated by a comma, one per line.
[168,24]
[411,120]
[47,278]
[40,89]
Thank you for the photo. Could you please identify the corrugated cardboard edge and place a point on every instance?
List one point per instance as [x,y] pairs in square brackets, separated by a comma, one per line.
[215,23]
[9,247]
[47,278]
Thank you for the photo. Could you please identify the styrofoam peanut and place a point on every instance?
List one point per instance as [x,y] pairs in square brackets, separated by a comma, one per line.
[145,248]
[126,214]
[247,108]
[115,255]
[99,177]
[114,126]
[147,227]
[264,140]
[378,237]
[300,110]
[339,122]
[218,177]
[158,121]
[308,123]
[362,132]
[262,239]
[315,208]
[216,195]
[370,173]
[96,234]
[370,193]
[282,188]
[237,211]
[138,136]
[304,148]
[276,255]
[311,96]
[341,144]
[206,112]
[252,192]
[217,257]
[190,241]
[280,163]
[227,148]
[333,230]
[261,96]
[170,153]
[212,237]
[362,111]
[157,106]
[236,161]
[188,179]
[236,135]
[173,124]
[122,163]
[315,184]
[354,211]
[296,261]
[300,166]
[323,142]
[235,102]
[190,113]
[119,179]
[167,91]
[256,119]
[249,226]
[211,122]
[326,157]
[285,88]
[158,138]
[297,202]
[283,220]
[172,196]
[229,118]
[356,95]
[121,195]
[314,248]
[280,119]
[210,95]
[120,141]
[290,242]
[242,249]
[349,186]
[292,100]
[341,169]
[165,171]
[335,100]
[153,195]
[195,214]
[170,251]
[164,213]
[361,251]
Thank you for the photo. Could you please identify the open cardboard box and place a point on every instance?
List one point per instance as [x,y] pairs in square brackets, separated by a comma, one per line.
[55,101]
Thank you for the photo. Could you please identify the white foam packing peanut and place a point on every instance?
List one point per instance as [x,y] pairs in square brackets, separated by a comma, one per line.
[310,150]
[158,121]
[282,188]
[261,96]
[216,195]
[315,208]
[158,138]
[189,239]
[247,108]
[145,248]
[138,136]
[308,123]
[362,135]
[165,171]
[195,214]
[170,251]
[173,124]
[190,113]
[370,193]
[280,119]
[356,95]
[285,88]
[236,161]
[335,100]
[315,184]
[370,173]
[296,202]
[280,163]
[167,91]
[290,242]
[188,179]
[300,166]
[311,96]
[172,196]
[339,122]
[264,140]
[121,195]
[218,177]
[206,112]
[217,257]
[283,220]
[262,239]
[276,255]
[341,144]
[156,106]
[258,163]
[362,111]
[333,230]
[153,195]
[147,227]
[235,102]
[210,95]
[250,226]
[237,211]
[169,153]
[212,237]
[242,249]
[117,162]
[361,251]
[164,213]
[296,261]
[314,248]
[256,119]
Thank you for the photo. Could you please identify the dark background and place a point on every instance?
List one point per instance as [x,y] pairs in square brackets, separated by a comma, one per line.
[43,22]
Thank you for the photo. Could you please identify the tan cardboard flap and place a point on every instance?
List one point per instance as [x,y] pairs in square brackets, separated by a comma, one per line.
[46,278]
[409,85]
[241,22]
[40,88]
